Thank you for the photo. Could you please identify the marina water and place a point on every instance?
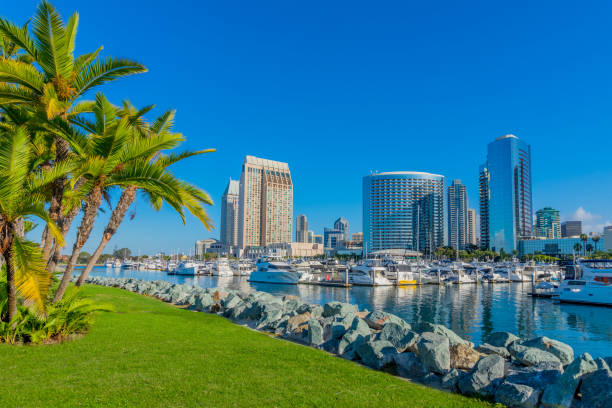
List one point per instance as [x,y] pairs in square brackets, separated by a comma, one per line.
[472,311]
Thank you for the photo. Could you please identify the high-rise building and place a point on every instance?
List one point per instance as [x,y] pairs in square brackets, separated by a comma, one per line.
[607,239]
[403,210]
[230,208]
[301,229]
[505,194]
[457,215]
[548,224]
[342,225]
[310,237]
[317,239]
[332,238]
[357,238]
[266,202]
[472,236]
[571,229]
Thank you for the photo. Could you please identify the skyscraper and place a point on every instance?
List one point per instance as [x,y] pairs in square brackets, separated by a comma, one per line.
[230,206]
[403,210]
[505,194]
[266,202]
[472,238]
[571,229]
[342,225]
[457,215]
[301,228]
[548,223]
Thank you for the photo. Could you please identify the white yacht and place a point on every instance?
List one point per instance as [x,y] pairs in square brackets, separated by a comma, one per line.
[117,264]
[221,267]
[242,268]
[269,271]
[594,286]
[369,273]
[188,268]
[109,263]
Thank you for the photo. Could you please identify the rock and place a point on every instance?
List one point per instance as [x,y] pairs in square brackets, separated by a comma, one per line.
[338,309]
[291,304]
[231,301]
[335,330]
[409,365]
[596,389]
[533,377]
[356,335]
[270,317]
[378,318]
[536,357]
[315,332]
[484,378]
[561,392]
[602,364]
[434,352]
[489,349]
[376,354]
[203,302]
[564,352]
[452,337]
[399,336]
[450,379]
[500,339]
[294,322]
[431,380]
[517,395]
[463,356]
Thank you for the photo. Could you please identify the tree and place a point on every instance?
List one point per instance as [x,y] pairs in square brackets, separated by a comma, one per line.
[589,248]
[122,253]
[577,247]
[596,239]
[84,257]
[584,238]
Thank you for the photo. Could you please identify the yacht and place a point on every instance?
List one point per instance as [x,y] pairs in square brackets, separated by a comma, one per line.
[242,268]
[270,271]
[369,273]
[188,268]
[110,263]
[594,286]
[117,264]
[221,267]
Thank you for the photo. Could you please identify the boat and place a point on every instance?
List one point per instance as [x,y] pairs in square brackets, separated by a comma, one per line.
[187,268]
[110,263]
[221,267]
[271,271]
[368,273]
[243,268]
[591,285]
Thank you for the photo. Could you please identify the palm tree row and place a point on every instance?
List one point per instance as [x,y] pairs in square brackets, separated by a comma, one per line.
[61,154]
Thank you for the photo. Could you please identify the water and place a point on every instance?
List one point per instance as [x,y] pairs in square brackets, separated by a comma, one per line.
[472,311]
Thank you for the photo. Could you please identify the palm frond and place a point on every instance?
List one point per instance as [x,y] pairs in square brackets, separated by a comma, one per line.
[19,36]
[102,70]
[22,74]
[31,277]
[51,42]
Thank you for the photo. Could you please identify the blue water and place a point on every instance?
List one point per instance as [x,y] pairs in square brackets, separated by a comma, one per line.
[472,311]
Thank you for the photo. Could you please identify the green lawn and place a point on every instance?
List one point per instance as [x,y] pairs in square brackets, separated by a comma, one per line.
[152,354]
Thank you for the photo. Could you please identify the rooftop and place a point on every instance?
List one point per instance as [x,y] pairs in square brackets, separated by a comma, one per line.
[406,173]
[266,163]
[509,136]
[233,188]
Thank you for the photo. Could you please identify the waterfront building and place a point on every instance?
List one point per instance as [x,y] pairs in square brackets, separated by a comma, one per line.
[403,210]
[357,237]
[457,215]
[571,229]
[266,203]
[506,194]
[310,237]
[301,228]
[317,239]
[332,238]
[472,235]
[553,247]
[285,249]
[548,224]
[203,246]
[606,238]
[230,208]
[342,225]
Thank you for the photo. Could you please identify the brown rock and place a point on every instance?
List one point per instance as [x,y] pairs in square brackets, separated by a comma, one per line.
[217,296]
[297,322]
[463,356]
[363,314]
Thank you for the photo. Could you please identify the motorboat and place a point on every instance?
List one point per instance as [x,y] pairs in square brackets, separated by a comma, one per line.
[187,268]
[368,273]
[593,285]
[221,267]
[271,271]
[110,263]
[242,268]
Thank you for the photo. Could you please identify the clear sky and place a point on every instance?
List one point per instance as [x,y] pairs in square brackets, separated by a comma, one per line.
[341,88]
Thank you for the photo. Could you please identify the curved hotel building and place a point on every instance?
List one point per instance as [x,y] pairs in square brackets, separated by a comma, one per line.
[403,210]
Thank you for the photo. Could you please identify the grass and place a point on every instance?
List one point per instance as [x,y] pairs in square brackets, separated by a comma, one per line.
[152,354]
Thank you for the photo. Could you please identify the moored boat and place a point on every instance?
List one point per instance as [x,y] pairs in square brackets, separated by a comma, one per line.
[594,286]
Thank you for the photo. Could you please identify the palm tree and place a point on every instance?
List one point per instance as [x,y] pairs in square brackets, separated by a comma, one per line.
[51,86]
[596,239]
[589,248]
[584,238]
[577,247]
[111,156]
[192,196]
[21,192]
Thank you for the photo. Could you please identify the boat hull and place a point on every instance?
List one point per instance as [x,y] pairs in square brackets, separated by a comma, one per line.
[287,278]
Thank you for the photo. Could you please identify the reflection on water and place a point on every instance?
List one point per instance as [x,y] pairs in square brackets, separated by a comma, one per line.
[472,311]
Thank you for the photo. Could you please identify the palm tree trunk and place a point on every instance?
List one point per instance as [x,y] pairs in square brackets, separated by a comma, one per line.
[94,199]
[126,200]
[55,255]
[7,231]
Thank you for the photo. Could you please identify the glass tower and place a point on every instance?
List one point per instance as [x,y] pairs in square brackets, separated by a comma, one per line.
[403,210]
[548,224]
[505,194]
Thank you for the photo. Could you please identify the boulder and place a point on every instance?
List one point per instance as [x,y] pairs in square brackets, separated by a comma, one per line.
[401,337]
[596,389]
[378,318]
[338,309]
[564,352]
[203,302]
[270,317]
[463,356]
[500,339]
[291,304]
[484,378]
[294,322]
[561,392]
[452,337]
[356,335]
[376,354]
[486,348]
[409,365]
[602,364]
[431,380]
[315,332]
[532,376]
[231,301]
[536,357]
[450,379]
[517,395]
[434,352]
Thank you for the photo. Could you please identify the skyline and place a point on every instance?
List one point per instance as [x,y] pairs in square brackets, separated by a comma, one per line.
[325,94]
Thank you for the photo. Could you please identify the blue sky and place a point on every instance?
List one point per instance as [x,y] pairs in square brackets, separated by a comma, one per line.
[338,89]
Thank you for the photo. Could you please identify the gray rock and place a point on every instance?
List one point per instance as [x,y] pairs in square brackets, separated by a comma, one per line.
[357,334]
[452,337]
[399,336]
[203,302]
[517,395]
[315,332]
[434,352]
[534,356]
[561,392]
[377,319]
[500,339]
[484,378]
[231,301]
[564,352]
[431,380]
[533,376]
[602,364]
[596,389]
[376,354]
[270,317]
[450,379]
[409,365]
[338,309]
[490,349]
